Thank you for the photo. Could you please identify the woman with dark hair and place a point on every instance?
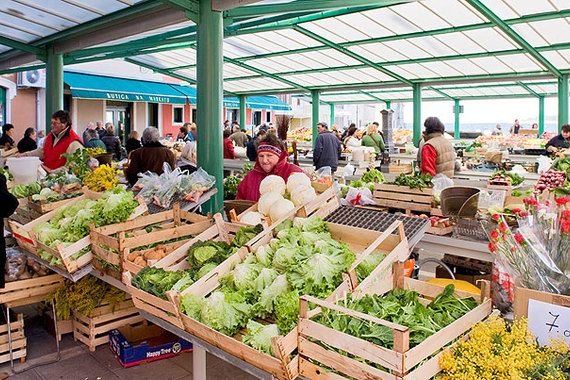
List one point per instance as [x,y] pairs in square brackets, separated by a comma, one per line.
[438,155]
[271,160]
[351,140]
[28,143]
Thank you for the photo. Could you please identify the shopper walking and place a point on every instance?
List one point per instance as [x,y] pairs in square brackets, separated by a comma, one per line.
[6,140]
[327,148]
[228,146]
[133,142]
[238,136]
[151,157]
[93,140]
[373,139]
[351,140]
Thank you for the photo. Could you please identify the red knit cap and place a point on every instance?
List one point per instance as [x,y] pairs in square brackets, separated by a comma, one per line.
[270,148]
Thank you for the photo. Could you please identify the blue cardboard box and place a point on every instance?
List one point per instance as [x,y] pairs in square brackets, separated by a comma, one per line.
[145,343]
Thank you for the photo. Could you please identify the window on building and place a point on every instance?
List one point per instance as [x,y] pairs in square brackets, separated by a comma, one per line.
[177,115]
[153,115]
[257,118]
[194,115]
[268,116]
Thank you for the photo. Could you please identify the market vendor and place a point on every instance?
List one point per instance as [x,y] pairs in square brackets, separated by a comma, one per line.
[62,139]
[438,155]
[561,141]
[271,159]
[151,157]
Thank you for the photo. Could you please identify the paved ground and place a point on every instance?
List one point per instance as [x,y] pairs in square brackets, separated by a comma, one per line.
[78,363]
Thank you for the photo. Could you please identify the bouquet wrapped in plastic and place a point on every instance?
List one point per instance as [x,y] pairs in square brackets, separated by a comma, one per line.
[536,253]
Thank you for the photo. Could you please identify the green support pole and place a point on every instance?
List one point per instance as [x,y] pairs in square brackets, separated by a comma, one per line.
[457,133]
[54,85]
[210,99]
[332,114]
[316,99]
[540,115]
[562,101]
[242,99]
[417,97]
[388,105]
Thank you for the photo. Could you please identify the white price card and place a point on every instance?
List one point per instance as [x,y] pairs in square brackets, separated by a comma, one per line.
[548,321]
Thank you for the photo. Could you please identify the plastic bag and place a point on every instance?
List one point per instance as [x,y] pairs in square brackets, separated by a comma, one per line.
[348,170]
[544,164]
[358,197]
[440,182]
[324,175]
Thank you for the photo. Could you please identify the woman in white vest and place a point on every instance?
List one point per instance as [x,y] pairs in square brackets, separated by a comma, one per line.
[438,155]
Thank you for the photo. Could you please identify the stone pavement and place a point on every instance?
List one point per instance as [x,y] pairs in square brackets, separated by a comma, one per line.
[78,363]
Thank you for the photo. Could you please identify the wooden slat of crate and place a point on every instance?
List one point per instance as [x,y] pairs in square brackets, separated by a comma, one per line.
[18,340]
[401,360]
[93,330]
[43,207]
[29,289]
[523,295]
[402,197]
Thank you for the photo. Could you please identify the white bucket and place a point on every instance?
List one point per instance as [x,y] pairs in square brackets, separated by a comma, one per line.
[24,169]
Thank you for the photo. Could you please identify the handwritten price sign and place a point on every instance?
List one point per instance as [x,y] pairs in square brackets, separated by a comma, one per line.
[548,321]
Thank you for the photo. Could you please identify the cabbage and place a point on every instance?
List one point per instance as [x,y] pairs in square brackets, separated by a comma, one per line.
[266,301]
[310,224]
[259,336]
[303,195]
[264,255]
[267,200]
[280,209]
[243,276]
[265,278]
[297,181]
[286,311]
[272,183]
[251,217]
[225,312]
[205,270]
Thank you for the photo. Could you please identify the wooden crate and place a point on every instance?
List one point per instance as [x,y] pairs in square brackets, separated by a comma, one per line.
[401,362]
[30,291]
[93,330]
[400,168]
[440,231]
[23,214]
[113,243]
[177,260]
[18,340]
[523,295]
[285,364]
[8,152]
[43,207]
[63,326]
[26,238]
[403,198]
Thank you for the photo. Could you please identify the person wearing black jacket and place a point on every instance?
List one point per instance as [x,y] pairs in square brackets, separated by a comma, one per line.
[28,143]
[561,141]
[8,204]
[327,148]
[6,140]
[112,142]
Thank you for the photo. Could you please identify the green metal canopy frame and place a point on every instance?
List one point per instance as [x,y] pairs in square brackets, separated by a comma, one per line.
[378,50]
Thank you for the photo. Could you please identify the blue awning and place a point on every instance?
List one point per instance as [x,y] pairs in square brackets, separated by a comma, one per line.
[91,86]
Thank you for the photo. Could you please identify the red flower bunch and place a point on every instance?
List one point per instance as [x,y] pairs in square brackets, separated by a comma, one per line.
[530,201]
[519,238]
[495,234]
[562,201]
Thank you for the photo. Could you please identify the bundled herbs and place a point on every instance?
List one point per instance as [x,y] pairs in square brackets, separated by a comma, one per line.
[415,181]
[398,306]
[83,296]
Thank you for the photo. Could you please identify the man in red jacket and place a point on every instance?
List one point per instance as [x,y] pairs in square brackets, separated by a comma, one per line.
[62,139]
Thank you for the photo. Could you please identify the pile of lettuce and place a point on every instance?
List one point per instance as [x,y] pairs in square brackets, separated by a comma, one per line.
[158,281]
[71,223]
[301,259]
